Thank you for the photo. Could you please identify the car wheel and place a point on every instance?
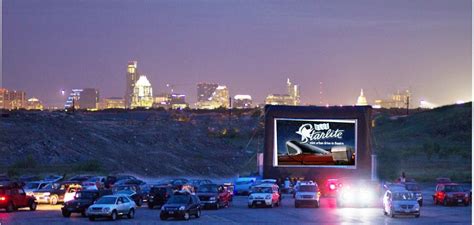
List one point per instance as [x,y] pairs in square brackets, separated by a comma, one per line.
[445,202]
[198,214]
[114,215]
[66,213]
[140,202]
[53,200]
[131,214]
[417,216]
[91,218]
[33,205]
[217,206]
[10,207]
[150,206]
[186,216]
[163,217]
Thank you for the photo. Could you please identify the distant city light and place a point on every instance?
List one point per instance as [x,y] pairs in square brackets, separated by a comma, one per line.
[460,102]
[63,92]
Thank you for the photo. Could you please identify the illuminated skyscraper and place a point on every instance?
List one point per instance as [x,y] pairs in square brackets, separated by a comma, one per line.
[142,93]
[205,91]
[242,101]
[131,79]
[219,98]
[292,98]
[87,98]
[293,92]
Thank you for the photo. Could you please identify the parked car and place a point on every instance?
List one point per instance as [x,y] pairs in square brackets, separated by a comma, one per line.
[12,197]
[450,194]
[178,183]
[112,206]
[181,205]
[331,187]
[415,188]
[32,186]
[468,188]
[196,182]
[214,196]
[229,187]
[53,178]
[55,193]
[82,200]
[94,183]
[264,195]
[399,201]
[308,194]
[137,198]
[243,185]
[159,195]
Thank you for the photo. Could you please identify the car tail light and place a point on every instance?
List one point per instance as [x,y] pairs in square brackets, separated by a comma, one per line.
[332,186]
[2,198]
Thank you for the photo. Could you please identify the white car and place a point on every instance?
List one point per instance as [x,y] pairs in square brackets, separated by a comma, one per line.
[32,186]
[307,194]
[399,201]
[243,185]
[112,206]
[264,195]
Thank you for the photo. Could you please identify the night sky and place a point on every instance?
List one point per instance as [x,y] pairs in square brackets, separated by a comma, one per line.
[250,46]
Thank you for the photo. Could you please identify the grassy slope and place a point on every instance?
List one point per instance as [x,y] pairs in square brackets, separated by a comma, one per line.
[426,145]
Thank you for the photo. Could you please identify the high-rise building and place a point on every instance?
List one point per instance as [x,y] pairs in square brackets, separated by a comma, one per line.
[361,100]
[218,99]
[397,100]
[12,99]
[34,104]
[242,101]
[178,101]
[205,91]
[114,103]
[291,98]
[86,98]
[131,79]
[142,93]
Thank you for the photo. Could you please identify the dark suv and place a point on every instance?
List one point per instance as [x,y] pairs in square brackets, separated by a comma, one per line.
[181,205]
[82,200]
[12,197]
[214,196]
[159,195]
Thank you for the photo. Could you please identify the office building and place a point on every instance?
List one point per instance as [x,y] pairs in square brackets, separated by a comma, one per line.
[86,98]
[34,104]
[242,101]
[398,100]
[218,99]
[12,99]
[142,96]
[205,91]
[131,79]
[291,98]
[113,103]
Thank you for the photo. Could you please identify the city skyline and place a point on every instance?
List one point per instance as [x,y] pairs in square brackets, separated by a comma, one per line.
[252,47]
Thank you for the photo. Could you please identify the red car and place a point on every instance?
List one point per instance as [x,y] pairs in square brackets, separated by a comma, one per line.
[214,196]
[331,187]
[12,197]
[450,194]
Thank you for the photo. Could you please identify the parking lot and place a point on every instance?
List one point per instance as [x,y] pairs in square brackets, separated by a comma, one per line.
[239,213]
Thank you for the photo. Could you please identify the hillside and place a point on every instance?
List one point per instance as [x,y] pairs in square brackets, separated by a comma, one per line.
[143,142]
[426,145]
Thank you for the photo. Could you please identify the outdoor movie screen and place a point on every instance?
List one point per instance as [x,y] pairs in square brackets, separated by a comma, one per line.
[315,143]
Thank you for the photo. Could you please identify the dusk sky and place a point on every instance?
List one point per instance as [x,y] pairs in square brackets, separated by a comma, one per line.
[250,46]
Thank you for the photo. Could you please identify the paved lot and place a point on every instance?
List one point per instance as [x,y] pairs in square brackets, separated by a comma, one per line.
[238,213]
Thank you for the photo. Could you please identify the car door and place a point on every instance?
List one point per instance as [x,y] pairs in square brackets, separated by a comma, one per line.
[120,205]
[22,198]
[127,204]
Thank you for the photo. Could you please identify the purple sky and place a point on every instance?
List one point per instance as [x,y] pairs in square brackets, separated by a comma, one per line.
[250,46]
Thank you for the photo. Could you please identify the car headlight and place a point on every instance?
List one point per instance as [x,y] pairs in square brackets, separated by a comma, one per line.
[106,209]
[268,197]
[162,207]
[182,208]
[212,198]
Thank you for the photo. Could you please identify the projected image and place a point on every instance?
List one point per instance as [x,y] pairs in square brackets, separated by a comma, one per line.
[314,142]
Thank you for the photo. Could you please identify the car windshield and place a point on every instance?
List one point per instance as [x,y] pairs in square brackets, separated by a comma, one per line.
[125,192]
[86,195]
[453,188]
[179,199]
[208,188]
[32,185]
[412,187]
[106,200]
[403,196]
[261,190]
[307,188]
